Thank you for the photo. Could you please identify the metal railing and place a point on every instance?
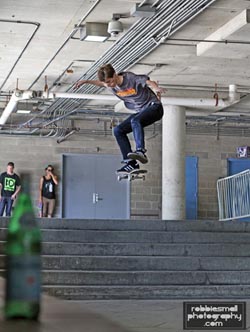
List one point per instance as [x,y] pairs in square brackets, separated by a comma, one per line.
[234,196]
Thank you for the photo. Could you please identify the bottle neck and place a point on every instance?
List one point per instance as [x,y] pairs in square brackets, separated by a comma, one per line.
[25,178]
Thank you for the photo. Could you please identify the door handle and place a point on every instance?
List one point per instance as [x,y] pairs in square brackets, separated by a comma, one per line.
[96,198]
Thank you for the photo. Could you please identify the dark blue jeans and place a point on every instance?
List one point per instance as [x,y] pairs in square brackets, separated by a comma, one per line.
[135,123]
[6,202]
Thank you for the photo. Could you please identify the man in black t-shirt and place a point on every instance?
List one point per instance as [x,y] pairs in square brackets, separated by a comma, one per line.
[10,186]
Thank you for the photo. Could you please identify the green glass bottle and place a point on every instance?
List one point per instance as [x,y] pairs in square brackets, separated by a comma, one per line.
[23,259]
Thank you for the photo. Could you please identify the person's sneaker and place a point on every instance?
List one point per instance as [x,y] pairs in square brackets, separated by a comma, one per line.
[129,167]
[138,155]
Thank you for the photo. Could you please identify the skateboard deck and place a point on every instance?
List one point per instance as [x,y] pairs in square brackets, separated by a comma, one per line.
[136,174]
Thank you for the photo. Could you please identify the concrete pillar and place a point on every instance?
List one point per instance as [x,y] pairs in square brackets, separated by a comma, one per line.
[173,163]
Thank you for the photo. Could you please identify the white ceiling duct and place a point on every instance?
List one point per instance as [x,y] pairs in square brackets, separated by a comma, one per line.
[219,104]
[12,104]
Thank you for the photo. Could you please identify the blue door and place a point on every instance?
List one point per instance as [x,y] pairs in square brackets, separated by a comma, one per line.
[235,166]
[191,187]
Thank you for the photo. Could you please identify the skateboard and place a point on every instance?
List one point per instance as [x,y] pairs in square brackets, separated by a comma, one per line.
[136,174]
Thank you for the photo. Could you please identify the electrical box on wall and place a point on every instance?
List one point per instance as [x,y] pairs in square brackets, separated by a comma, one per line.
[243,152]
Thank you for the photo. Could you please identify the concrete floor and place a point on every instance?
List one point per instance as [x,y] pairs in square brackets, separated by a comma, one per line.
[59,316]
[105,316]
[149,315]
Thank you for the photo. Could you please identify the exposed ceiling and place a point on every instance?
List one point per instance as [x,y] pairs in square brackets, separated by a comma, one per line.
[191,47]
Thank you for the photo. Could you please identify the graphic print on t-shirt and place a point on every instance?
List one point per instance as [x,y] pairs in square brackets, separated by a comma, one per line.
[126,93]
[9,184]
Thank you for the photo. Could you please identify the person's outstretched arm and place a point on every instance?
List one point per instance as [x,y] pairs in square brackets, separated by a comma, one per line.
[155,87]
[93,82]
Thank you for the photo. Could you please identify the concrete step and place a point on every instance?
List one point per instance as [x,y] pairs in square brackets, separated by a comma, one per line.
[146,278]
[111,259]
[143,249]
[165,225]
[142,263]
[150,249]
[115,236]
[146,263]
[87,236]
[151,292]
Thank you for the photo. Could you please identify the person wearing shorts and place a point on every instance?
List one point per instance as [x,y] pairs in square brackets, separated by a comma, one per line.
[47,192]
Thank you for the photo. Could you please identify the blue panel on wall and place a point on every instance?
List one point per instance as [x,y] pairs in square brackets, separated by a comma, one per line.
[235,166]
[191,187]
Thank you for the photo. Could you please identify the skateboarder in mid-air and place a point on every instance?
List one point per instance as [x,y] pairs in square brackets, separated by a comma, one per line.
[137,93]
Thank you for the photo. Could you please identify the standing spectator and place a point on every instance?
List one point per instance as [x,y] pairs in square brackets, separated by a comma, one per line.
[10,186]
[47,192]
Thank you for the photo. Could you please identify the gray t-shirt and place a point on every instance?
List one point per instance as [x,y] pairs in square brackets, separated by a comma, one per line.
[134,91]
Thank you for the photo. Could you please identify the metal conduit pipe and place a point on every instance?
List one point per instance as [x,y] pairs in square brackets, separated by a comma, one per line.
[139,46]
[200,11]
[145,24]
[114,50]
[138,31]
[65,42]
[102,58]
[129,46]
[125,58]
[149,27]
[155,3]
[25,47]
[144,55]
[186,19]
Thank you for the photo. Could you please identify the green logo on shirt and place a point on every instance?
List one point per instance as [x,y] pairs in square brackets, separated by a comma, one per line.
[9,184]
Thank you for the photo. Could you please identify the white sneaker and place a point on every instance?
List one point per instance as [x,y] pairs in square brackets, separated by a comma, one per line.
[138,155]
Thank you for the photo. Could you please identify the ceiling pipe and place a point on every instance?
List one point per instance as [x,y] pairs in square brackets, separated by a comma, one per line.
[217,105]
[66,41]
[233,98]
[139,39]
[25,47]
[12,104]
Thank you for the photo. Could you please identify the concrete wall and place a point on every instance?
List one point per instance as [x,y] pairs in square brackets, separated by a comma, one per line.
[213,153]
[33,154]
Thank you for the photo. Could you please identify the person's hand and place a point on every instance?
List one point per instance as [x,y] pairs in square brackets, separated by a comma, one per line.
[162,90]
[78,84]
[13,196]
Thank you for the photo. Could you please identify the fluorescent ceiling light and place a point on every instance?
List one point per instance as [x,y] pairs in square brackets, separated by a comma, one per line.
[93,31]
[95,38]
[23,111]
